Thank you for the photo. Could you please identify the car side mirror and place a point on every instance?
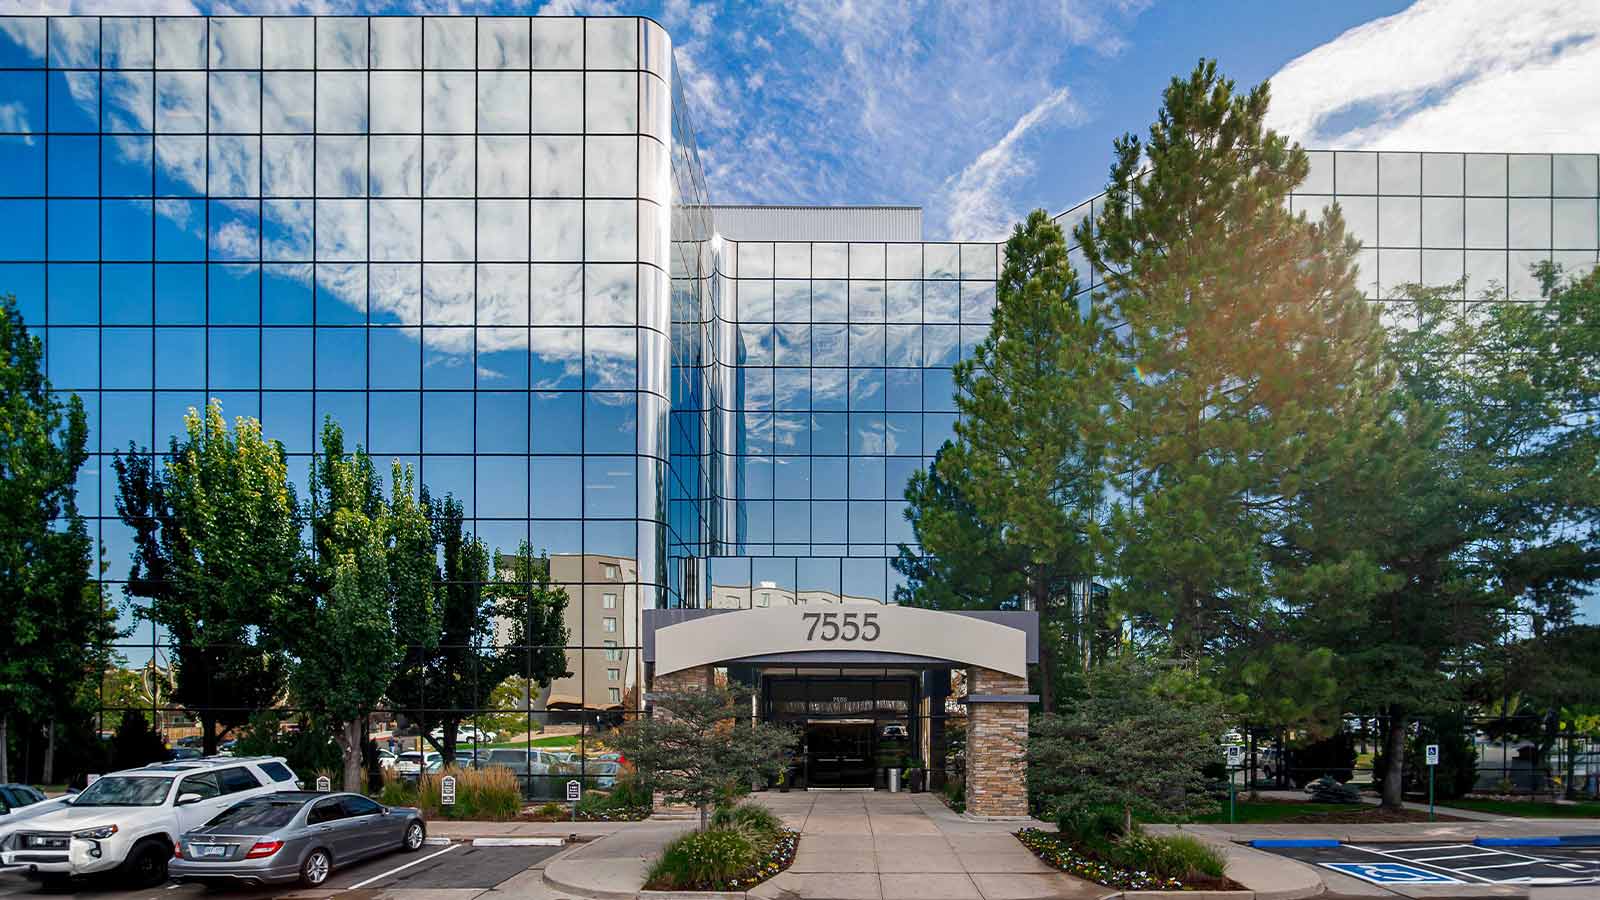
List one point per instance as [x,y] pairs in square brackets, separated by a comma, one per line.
[186,799]
[383,811]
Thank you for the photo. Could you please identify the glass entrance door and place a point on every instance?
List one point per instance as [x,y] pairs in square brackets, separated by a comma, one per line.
[839,754]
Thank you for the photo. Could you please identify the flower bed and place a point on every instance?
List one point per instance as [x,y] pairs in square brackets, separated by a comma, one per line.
[1056,852]
[562,812]
[744,846]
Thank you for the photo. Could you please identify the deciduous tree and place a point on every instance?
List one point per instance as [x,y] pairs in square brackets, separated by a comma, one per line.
[700,745]
[58,635]
[218,553]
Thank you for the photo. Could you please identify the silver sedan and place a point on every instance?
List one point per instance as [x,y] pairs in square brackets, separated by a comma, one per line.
[293,836]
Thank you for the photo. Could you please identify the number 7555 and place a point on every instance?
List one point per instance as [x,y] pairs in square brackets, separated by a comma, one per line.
[849,626]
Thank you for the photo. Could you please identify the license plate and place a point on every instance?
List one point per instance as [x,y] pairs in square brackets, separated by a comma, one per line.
[212,849]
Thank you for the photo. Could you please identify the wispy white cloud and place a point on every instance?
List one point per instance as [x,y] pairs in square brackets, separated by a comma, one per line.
[978,207]
[1457,75]
[885,102]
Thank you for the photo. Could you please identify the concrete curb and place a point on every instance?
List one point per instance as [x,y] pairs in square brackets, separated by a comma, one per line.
[554,877]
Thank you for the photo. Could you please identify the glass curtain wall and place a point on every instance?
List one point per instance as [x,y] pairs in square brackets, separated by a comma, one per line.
[450,235]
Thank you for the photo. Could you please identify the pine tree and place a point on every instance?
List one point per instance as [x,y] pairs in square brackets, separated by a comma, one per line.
[1248,345]
[1021,484]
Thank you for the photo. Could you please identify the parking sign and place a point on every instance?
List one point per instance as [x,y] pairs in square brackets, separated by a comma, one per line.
[574,790]
[447,791]
[324,784]
[1235,755]
[1433,754]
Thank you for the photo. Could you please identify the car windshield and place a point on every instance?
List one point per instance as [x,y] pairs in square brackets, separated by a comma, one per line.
[269,813]
[123,791]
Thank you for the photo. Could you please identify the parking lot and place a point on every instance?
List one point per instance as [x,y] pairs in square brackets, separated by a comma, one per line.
[1444,863]
[459,867]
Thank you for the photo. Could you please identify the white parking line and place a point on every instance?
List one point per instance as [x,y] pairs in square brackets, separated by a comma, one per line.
[1397,855]
[519,842]
[1429,859]
[401,868]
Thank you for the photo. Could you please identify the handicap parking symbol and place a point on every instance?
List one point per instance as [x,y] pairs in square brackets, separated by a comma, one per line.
[1391,873]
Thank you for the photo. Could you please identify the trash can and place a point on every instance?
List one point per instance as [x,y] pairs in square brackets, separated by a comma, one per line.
[894,780]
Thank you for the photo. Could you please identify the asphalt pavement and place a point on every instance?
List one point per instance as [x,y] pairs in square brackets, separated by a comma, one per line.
[460,868]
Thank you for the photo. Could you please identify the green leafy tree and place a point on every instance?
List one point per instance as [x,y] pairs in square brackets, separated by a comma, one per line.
[1476,508]
[1248,345]
[1139,740]
[135,743]
[700,746]
[218,554]
[368,583]
[1024,475]
[57,630]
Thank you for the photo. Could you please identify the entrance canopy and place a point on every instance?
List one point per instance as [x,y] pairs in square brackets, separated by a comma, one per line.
[840,634]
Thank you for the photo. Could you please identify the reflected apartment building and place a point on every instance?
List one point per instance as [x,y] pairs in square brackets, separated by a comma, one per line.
[485,246]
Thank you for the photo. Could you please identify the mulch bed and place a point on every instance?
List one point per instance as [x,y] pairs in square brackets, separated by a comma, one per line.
[622,814]
[1055,852]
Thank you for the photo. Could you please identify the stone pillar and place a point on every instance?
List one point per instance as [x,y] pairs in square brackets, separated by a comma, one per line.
[694,678]
[997,743]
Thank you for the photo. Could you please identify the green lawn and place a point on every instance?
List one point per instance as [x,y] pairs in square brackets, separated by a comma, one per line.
[1584,810]
[1246,812]
[559,740]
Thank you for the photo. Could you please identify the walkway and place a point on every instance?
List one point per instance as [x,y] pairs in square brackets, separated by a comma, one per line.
[880,846]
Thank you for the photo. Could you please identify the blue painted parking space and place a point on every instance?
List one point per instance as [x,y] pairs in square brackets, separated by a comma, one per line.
[1446,863]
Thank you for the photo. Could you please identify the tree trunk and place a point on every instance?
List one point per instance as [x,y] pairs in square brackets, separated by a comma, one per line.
[5,760]
[350,747]
[1394,751]
[208,734]
[703,812]
[49,776]
[452,728]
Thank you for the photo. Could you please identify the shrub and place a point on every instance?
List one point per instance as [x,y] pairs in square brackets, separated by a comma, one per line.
[1168,856]
[1092,828]
[552,810]
[703,860]
[1333,756]
[751,818]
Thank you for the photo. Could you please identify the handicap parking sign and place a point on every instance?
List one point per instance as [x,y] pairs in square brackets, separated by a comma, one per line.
[1391,873]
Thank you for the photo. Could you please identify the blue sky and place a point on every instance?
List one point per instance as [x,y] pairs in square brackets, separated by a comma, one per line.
[979,112]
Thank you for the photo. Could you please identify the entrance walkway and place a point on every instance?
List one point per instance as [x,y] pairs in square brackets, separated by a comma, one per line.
[881,846]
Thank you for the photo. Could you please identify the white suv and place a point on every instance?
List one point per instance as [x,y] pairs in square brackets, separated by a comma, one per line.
[127,821]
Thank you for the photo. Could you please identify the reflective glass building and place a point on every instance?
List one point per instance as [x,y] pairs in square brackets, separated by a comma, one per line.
[485,247]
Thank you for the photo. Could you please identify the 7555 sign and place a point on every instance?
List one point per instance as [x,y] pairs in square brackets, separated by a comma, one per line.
[849,626]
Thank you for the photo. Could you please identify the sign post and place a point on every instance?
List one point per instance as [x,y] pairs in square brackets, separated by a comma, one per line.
[574,794]
[1433,762]
[1235,760]
[447,791]
[324,784]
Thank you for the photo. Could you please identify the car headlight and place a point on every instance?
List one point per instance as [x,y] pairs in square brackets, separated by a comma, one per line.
[96,834]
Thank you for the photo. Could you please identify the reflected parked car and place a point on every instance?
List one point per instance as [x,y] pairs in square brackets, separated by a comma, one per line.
[465,759]
[411,763]
[293,836]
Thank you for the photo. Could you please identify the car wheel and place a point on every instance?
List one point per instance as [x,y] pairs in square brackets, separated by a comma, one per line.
[147,864]
[416,835]
[316,868]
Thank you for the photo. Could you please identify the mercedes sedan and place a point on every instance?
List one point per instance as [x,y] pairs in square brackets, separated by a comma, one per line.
[293,836]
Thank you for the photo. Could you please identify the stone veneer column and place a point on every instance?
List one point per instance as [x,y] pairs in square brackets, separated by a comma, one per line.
[695,678]
[997,743]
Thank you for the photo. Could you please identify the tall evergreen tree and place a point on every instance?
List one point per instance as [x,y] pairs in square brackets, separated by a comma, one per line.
[57,631]
[1024,474]
[217,552]
[1249,347]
